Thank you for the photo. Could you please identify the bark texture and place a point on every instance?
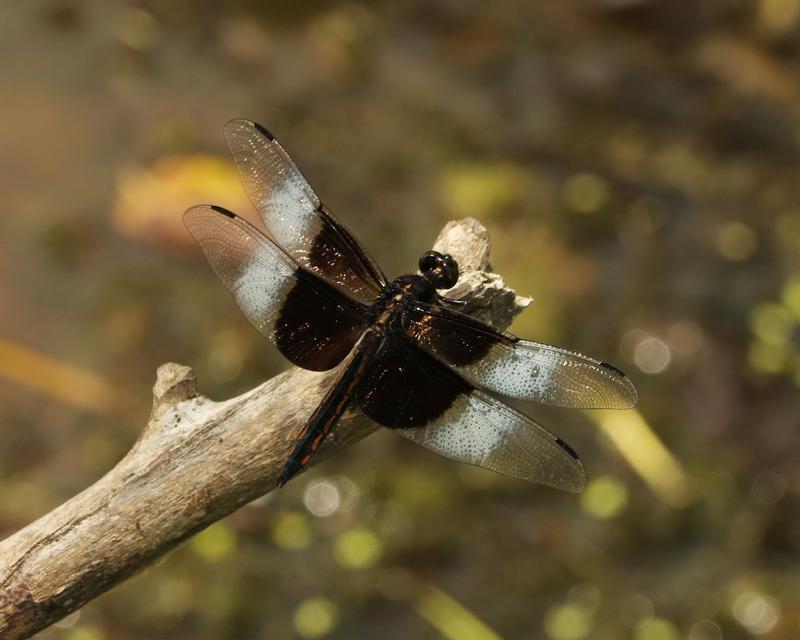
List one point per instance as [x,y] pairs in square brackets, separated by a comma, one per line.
[195,462]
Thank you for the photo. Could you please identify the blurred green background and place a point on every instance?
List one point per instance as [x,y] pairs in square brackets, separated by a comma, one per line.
[636,163]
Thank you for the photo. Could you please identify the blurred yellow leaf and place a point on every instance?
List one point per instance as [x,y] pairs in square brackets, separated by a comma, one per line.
[451,618]
[55,378]
[640,446]
[778,17]
[150,202]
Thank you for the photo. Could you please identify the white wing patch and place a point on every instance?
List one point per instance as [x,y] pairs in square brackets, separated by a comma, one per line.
[503,373]
[260,290]
[539,372]
[482,431]
[256,271]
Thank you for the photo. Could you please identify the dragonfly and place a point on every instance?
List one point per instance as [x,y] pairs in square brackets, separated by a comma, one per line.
[407,357]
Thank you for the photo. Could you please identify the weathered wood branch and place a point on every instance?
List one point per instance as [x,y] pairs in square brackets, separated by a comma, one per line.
[195,462]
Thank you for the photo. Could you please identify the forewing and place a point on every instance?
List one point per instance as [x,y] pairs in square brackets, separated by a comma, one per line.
[311,322]
[408,390]
[518,368]
[294,214]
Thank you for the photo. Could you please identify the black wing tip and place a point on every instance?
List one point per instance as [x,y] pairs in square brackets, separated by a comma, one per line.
[633,398]
[264,131]
[239,123]
[580,482]
[223,211]
[611,367]
[567,448]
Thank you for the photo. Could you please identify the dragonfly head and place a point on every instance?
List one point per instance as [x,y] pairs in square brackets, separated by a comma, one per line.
[441,270]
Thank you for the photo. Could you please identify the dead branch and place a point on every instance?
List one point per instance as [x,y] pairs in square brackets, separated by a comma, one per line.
[195,462]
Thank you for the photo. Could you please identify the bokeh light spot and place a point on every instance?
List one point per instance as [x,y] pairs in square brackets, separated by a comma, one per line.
[652,355]
[358,548]
[291,531]
[756,612]
[656,629]
[772,323]
[736,241]
[791,295]
[585,193]
[768,358]
[215,543]
[568,622]
[605,497]
[138,29]
[315,617]
[322,498]
[705,630]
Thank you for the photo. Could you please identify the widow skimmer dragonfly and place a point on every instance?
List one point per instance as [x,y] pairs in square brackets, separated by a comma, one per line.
[409,360]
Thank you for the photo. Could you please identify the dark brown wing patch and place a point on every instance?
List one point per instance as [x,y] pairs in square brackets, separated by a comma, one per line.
[336,255]
[457,339]
[405,387]
[317,327]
